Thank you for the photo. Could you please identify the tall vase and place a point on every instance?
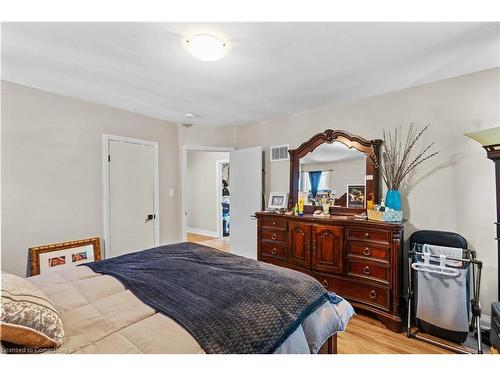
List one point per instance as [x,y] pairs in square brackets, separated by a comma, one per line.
[393,199]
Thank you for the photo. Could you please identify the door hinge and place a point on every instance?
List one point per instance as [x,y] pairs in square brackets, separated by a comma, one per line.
[109,158]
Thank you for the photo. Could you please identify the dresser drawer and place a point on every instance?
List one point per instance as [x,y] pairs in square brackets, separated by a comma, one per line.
[271,234]
[271,249]
[369,270]
[369,251]
[369,234]
[357,291]
[274,223]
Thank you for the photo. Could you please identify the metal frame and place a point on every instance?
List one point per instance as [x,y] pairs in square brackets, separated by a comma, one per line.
[475,304]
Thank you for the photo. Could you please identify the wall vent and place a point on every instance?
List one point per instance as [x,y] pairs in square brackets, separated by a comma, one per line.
[279,153]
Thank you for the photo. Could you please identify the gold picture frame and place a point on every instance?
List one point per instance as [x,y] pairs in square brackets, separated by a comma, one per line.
[65,254]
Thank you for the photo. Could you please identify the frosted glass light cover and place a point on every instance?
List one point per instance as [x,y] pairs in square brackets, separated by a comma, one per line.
[206,47]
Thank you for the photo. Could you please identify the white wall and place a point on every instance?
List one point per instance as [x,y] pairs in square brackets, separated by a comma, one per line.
[454,191]
[201,190]
[51,169]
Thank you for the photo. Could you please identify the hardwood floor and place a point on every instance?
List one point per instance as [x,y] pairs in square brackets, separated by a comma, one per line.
[217,243]
[364,334]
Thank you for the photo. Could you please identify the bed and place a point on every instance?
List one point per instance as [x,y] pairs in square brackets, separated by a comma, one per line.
[104,312]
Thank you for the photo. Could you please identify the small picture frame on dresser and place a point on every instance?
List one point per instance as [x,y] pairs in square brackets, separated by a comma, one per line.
[277,201]
[356,196]
[56,256]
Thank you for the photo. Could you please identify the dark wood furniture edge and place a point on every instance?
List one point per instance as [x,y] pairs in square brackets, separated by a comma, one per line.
[37,250]
[370,147]
[330,345]
[391,320]
[493,153]
[330,220]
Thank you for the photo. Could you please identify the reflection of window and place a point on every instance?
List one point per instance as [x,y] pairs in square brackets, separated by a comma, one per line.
[324,182]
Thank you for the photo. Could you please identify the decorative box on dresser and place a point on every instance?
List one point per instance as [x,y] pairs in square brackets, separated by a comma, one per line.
[358,259]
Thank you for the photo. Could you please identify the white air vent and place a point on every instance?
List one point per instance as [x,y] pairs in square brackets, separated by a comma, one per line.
[279,153]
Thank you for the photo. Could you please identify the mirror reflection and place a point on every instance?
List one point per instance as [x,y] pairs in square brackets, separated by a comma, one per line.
[325,173]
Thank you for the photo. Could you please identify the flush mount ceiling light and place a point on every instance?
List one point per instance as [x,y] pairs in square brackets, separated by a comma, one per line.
[206,47]
[189,115]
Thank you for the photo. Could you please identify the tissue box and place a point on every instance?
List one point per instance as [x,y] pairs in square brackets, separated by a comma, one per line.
[385,215]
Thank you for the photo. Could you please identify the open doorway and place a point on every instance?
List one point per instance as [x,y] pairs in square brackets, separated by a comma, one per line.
[206,195]
[223,197]
[245,197]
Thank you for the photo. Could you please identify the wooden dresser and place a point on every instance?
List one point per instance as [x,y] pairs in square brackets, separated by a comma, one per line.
[358,259]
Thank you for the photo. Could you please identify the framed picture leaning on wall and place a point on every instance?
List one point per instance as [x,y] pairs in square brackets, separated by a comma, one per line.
[52,257]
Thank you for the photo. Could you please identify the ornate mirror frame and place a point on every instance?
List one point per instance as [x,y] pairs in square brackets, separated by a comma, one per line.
[369,147]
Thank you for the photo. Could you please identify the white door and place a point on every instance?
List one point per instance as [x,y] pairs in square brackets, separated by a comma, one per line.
[132,214]
[246,199]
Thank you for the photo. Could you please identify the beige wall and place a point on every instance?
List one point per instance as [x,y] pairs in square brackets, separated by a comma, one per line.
[51,169]
[454,191]
[201,189]
[212,136]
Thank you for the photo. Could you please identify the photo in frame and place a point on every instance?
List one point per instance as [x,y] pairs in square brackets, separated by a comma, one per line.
[53,257]
[356,196]
[277,201]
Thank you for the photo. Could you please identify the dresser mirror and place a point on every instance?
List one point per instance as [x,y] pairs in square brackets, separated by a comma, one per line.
[336,167]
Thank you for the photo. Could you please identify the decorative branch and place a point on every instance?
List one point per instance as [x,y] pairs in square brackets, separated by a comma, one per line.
[396,158]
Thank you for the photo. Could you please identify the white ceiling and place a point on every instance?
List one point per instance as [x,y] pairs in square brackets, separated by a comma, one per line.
[271,69]
[331,152]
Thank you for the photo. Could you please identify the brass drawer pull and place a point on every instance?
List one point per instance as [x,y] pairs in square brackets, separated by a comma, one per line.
[273,251]
[274,236]
[366,270]
[373,294]
[325,283]
[367,251]
[367,235]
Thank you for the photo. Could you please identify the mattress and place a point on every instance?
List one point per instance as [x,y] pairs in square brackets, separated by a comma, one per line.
[101,316]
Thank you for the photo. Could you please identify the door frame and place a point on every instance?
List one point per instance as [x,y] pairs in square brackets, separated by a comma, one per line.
[183,159]
[106,138]
[218,190]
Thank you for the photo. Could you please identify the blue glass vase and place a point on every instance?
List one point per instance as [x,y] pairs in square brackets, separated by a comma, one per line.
[393,199]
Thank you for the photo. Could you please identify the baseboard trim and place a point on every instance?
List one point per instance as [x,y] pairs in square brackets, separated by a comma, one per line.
[202,232]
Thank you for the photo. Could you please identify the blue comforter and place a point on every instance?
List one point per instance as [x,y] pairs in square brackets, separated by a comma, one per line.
[228,303]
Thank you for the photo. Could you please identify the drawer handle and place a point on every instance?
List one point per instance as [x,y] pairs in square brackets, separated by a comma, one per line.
[373,294]
[367,251]
[367,235]
[366,270]
[274,223]
[325,283]
[273,251]
[274,236]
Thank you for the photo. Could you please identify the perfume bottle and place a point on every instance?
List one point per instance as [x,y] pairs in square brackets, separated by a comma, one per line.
[382,205]
[301,207]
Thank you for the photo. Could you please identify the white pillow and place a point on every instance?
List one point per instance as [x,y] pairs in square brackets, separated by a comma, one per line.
[27,317]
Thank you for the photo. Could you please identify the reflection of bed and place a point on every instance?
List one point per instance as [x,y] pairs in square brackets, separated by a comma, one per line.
[101,316]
